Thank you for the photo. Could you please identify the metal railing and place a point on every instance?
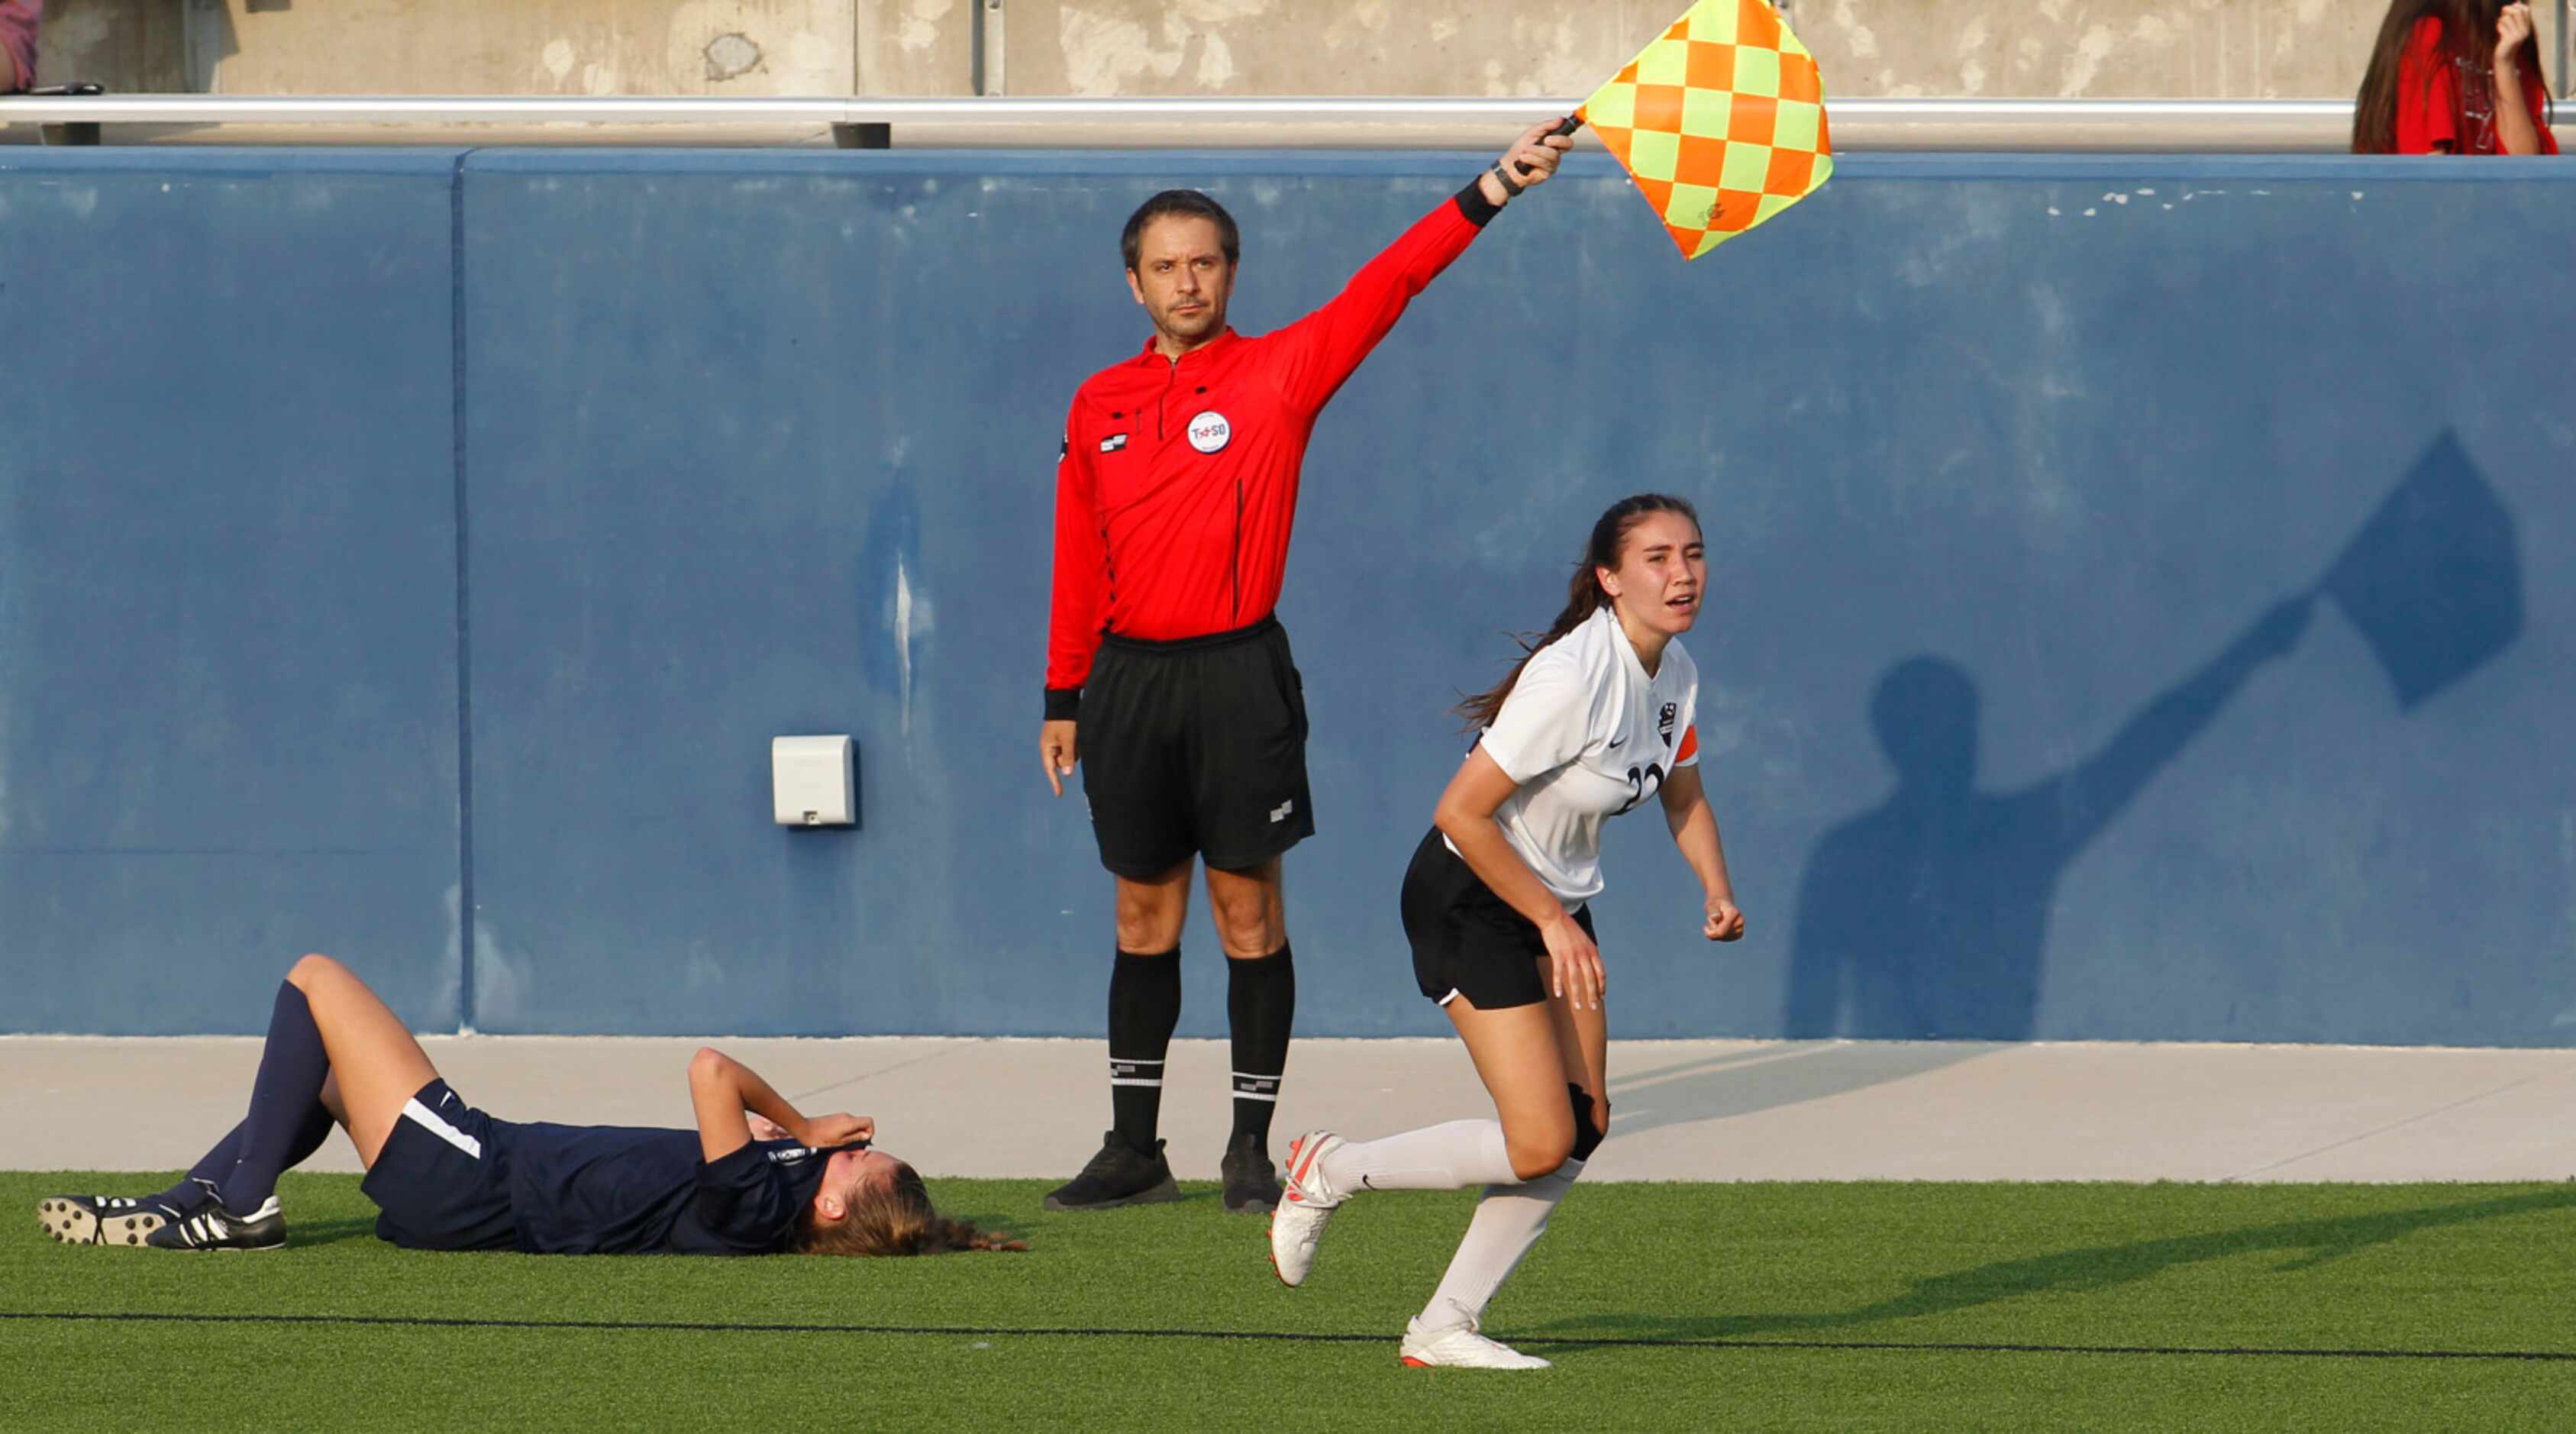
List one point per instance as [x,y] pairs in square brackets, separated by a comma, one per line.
[1859,125]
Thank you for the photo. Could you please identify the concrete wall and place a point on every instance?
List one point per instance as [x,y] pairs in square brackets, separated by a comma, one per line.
[130,46]
[2191,48]
[391,537]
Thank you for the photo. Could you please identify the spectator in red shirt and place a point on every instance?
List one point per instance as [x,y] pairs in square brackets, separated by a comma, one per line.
[18,20]
[1175,492]
[2454,77]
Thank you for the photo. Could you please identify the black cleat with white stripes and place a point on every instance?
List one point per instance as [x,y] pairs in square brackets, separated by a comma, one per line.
[213,1227]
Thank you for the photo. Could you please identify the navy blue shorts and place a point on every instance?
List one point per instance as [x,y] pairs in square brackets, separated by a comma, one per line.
[442,1181]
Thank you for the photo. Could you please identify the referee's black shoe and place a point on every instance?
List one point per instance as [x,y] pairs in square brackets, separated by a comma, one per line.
[1119,1175]
[1251,1181]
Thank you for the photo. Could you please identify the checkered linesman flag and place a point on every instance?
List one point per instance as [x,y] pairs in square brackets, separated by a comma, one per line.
[1721,122]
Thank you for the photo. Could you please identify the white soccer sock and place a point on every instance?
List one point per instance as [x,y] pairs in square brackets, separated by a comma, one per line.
[1436,1157]
[1508,1221]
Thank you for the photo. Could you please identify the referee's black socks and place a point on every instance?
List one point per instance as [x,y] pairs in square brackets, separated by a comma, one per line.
[1260,1004]
[1144,1005]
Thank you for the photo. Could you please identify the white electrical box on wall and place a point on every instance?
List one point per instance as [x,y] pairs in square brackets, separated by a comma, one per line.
[813,781]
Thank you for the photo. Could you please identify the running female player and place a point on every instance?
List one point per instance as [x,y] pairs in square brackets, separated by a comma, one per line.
[446,1176]
[1596,719]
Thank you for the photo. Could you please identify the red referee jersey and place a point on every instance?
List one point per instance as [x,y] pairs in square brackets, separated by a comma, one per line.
[1178,482]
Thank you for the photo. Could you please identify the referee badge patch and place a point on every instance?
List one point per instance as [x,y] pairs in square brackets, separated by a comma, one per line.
[1209,432]
[1113,443]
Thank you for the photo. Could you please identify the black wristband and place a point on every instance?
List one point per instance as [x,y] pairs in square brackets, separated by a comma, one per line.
[1472,203]
[1063,703]
[1503,172]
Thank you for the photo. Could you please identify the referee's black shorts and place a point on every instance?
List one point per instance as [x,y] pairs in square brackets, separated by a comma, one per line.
[1468,941]
[1195,747]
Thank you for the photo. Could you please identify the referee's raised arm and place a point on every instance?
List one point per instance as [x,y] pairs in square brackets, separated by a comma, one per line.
[1319,351]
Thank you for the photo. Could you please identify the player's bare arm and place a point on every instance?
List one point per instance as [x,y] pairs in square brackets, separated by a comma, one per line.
[1694,829]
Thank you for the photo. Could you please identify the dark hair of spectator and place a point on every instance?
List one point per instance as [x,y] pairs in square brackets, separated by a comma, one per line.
[2468,36]
[1182,203]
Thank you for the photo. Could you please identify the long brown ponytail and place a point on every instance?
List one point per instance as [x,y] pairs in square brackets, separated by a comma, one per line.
[2468,32]
[897,1220]
[1583,596]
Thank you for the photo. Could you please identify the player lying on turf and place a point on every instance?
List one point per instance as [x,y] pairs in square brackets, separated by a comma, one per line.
[1596,720]
[446,1176]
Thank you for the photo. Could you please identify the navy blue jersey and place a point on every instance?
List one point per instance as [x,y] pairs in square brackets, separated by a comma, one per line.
[618,1190]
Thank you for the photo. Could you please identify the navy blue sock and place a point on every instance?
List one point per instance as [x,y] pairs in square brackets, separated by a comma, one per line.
[218,1162]
[210,1167]
[285,1106]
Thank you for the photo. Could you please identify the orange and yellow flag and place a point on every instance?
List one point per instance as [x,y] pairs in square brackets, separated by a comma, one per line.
[1721,122]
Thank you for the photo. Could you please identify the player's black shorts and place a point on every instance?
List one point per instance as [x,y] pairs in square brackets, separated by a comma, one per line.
[442,1180]
[1195,747]
[1468,940]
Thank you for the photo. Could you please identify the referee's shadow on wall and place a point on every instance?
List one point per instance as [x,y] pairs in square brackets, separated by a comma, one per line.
[1926,917]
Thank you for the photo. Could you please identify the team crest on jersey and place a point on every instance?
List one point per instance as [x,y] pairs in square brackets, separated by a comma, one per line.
[1664,721]
[1209,432]
[1113,443]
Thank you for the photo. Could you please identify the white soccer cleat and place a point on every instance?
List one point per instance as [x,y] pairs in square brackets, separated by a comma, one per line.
[1306,1203]
[1459,1346]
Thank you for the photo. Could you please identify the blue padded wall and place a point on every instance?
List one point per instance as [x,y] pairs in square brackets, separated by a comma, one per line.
[2132,614]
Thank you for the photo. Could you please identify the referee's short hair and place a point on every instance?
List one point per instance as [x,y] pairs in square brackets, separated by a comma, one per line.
[1186,203]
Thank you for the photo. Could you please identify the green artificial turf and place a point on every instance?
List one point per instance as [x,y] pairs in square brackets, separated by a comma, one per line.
[1681,1306]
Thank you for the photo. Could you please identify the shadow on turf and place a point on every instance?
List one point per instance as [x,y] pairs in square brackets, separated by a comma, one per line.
[1734,1083]
[303,1234]
[2307,1243]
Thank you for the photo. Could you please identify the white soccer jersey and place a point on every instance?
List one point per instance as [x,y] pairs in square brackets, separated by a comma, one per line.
[1587,735]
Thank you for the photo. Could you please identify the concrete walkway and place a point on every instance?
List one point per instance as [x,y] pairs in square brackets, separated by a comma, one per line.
[1684,1110]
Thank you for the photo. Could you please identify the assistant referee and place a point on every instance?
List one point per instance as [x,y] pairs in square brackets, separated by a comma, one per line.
[1175,493]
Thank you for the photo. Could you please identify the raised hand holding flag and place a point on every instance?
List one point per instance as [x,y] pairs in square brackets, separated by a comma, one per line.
[1721,122]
